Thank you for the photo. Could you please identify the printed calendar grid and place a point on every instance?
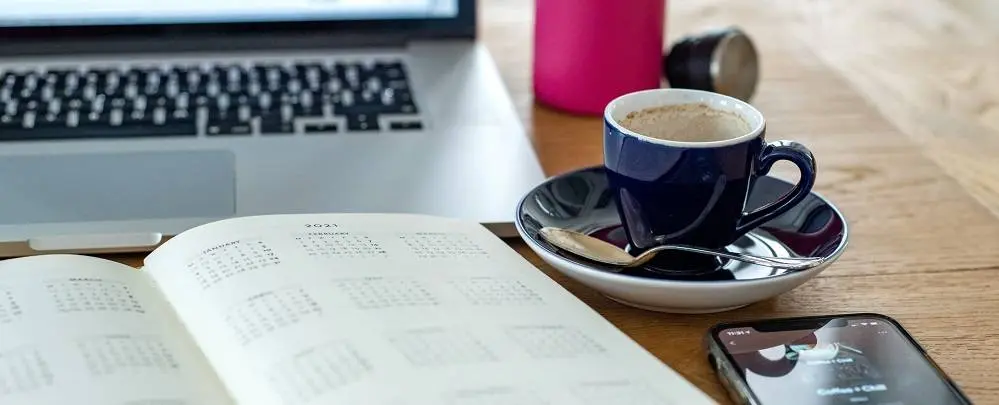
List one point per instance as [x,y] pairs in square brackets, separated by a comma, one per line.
[435,347]
[382,292]
[340,245]
[157,401]
[553,341]
[270,311]
[496,396]
[618,391]
[92,295]
[315,372]
[23,370]
[442,245]
[10,309]
[112,354]
[492,291]
[229,259]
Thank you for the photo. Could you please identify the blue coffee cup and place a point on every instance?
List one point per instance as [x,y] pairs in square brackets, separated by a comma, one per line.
[694,192]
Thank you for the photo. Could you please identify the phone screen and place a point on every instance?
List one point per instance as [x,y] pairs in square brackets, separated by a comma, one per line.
[843,361]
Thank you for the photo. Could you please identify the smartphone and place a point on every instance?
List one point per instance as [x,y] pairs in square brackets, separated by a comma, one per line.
[827,360]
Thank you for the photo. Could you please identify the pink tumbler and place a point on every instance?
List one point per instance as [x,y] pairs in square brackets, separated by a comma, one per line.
[588,52]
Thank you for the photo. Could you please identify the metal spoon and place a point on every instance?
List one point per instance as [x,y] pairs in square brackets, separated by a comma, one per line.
[603,252]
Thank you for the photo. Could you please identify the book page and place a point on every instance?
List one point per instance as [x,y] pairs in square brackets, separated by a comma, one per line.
[83,330]
[395,310]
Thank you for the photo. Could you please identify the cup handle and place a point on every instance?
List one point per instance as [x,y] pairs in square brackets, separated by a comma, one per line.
[781,150]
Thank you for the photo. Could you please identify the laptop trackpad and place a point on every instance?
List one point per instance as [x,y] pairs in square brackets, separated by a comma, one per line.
[116,186]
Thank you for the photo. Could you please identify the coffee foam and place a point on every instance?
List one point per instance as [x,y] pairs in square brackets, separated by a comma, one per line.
[686,123]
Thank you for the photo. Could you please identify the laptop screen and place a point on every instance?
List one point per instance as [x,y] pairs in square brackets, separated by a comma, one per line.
[50,13]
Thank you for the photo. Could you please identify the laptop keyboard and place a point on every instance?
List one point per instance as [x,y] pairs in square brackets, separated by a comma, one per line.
[215,100]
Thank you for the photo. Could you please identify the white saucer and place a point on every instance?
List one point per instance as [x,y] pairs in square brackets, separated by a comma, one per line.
[582,201]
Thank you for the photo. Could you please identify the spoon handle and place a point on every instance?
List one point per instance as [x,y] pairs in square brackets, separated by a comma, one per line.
[790,263]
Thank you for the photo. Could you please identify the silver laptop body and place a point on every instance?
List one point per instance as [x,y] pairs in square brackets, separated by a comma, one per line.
[118,131]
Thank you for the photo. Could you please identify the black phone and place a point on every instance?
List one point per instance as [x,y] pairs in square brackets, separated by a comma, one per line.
[860,358]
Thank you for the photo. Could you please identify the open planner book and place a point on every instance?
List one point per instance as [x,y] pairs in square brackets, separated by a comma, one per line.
[315,309]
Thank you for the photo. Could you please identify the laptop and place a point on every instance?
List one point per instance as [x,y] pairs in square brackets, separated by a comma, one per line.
[123,123]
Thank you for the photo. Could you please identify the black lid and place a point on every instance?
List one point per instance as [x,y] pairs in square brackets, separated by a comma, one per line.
[723,61]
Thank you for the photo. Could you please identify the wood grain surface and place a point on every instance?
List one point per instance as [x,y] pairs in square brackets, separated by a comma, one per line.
[899,101]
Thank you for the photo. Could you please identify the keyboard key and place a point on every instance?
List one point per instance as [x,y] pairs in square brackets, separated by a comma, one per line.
[221,115]
[362,122]
[227,124]
[308,106]
[370,108]
[237,128]
[321,128]
[273,124]
[8,122]
[406,126]
[51,119]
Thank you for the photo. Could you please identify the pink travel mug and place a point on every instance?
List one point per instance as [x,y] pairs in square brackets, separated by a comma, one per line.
[588,52]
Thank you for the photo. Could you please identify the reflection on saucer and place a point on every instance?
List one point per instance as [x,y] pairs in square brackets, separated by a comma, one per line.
[755,243]
[580,201]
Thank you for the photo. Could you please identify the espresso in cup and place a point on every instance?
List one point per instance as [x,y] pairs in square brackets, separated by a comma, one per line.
[681,164]
[694,122]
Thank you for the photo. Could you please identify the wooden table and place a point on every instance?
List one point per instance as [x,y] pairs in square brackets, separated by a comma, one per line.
[917,187]
[924,247]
